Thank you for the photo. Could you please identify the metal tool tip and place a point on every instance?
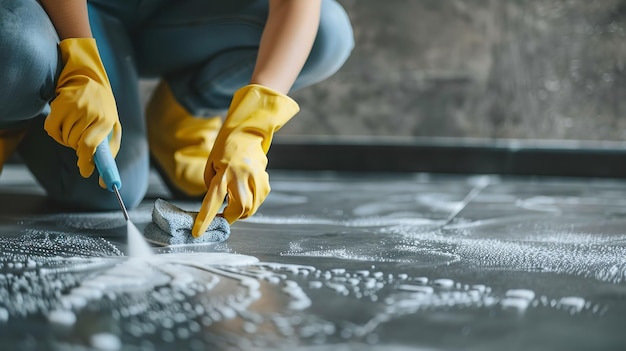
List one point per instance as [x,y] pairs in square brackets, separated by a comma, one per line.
[119,199]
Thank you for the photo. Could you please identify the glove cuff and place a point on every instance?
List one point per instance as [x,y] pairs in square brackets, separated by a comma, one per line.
[258,106]
[81,58]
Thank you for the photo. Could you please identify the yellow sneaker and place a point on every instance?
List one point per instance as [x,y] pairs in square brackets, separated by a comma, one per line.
[179,143]
[10,138]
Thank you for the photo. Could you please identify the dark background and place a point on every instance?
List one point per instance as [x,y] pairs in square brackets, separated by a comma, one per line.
[540,69]
[526,87]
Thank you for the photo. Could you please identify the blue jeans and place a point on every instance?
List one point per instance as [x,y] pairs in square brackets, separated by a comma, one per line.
[206,50]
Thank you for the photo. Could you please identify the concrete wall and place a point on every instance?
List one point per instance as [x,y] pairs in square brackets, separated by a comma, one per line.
[530,69]
[527,69]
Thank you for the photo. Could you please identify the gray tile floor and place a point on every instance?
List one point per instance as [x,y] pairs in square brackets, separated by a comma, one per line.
[331,261]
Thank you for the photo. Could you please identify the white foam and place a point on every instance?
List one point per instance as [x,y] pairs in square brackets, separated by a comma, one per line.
[574,302]
[315,284]
[517,303]
[62,317]
[420,280]
[520,293]
[4,314]
[137,245]
[299,299]
[359,222]
[105,342]
[479,287]
[74,301]
[181,282]
[416,288]
[444,283]
[205,259]
[87,293]
[571,249]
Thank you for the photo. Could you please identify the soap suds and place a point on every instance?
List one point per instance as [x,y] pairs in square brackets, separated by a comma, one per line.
[137,245]
[385,251]
[537,233]
[516,303]
[575,303]
[555,246]
[106,342]
[62,317]
[374,221]
[520,293]
[172,295]
[89,220]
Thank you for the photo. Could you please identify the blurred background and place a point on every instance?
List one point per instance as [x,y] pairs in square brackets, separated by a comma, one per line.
[535,87]
[530,69]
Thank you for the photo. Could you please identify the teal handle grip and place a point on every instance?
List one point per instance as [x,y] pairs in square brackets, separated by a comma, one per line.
[103,158]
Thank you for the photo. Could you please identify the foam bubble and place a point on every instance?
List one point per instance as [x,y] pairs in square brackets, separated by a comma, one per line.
[517,303]
[416,288]
[559,247]
[137,245]
[444,283]
[62,317]
[4,314]
[183,291]
[520,293]
[105,342]
[574,302]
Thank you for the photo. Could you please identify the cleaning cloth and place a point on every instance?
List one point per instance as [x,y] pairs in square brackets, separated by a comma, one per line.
[172,226]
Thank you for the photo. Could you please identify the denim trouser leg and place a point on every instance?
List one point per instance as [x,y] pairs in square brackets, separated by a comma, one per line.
[54,165]
[207,49]
[29,61]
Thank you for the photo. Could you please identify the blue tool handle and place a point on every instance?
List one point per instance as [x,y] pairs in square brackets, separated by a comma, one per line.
[106,166]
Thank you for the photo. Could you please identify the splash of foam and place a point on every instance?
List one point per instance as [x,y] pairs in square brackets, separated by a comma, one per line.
[176,295]
[550,247]
[137,245]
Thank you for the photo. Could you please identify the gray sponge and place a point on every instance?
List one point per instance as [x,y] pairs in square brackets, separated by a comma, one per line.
[172,226]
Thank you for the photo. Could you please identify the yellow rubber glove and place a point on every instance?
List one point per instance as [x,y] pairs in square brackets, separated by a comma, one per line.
[84,112]
[237,164]
[180,143]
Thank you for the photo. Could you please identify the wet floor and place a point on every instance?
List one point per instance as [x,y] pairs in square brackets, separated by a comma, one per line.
[330,262]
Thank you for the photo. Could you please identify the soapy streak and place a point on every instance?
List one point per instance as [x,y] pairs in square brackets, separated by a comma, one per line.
[361,222]
[145,277]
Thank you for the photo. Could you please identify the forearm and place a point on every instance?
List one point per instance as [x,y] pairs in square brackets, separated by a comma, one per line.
[286,42]
[69,17]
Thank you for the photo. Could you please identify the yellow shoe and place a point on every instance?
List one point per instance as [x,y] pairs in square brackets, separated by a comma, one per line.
[10,138]
[180,143]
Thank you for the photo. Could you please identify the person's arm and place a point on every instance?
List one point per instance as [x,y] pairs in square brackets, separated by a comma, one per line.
[237,163]
[69,17]
[83,113]
[286,42]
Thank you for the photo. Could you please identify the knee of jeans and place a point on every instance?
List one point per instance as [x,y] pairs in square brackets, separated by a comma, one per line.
[70,189]
[334,41]
[29,60]
[94,198]
[208,91]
